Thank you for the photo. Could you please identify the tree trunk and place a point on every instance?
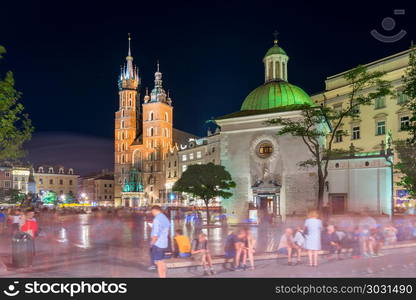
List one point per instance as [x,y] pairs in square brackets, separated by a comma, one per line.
[208,217]
[321,189]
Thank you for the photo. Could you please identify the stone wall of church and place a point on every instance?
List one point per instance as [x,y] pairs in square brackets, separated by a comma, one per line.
[299,186]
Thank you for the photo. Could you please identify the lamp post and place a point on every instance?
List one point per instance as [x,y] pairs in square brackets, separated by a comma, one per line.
[388,155]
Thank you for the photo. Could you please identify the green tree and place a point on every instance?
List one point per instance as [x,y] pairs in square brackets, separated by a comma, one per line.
[205,182]
[407,166]
[15,196]
[406,149]
[321,126]
[15,126]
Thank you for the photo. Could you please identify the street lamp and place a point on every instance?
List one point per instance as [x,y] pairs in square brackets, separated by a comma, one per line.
[388,155]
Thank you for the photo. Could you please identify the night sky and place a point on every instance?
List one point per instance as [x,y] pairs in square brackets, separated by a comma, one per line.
[66,57]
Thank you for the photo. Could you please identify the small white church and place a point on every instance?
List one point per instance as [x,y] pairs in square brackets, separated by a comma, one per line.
[269,181]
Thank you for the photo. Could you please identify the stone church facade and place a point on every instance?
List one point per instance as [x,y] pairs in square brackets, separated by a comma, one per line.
[264,165]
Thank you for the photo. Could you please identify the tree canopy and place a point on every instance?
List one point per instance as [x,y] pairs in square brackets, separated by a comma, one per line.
[15,126]
[205,182]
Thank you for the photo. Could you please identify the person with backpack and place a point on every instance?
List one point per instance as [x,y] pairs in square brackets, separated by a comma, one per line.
[200,252]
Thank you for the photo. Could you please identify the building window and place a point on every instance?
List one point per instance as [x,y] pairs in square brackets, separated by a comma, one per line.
[356,132]
[338,136]
[50,170]
[184,167]
[191,156]
[213,149]
[184,158]
[151,131]
[40,181]
[337,107]
[381,128]
[50,181]
[7,174]
[356,109]
[380,102]
[402,98]
[265,149]
[174,164]
[61,181]
[198,154]
[404,122]
[122,124]
[61,170]
[70,182]
[40,170]
[169,174]
[174,174]
[151,116]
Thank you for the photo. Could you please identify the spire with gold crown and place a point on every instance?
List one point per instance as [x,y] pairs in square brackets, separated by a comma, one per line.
[129,77]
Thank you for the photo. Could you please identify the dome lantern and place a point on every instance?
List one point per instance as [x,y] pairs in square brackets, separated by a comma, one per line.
[275,63]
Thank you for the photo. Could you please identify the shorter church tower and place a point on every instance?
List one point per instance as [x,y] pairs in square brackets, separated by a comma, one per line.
[157,138]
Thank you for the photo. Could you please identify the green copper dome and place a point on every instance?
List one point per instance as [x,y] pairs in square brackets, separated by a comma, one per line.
[274,94]
[275,50]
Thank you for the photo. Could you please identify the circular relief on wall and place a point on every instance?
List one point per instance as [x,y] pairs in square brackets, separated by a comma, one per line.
[264,149]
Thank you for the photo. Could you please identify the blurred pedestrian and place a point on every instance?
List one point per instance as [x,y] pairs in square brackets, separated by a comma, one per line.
[159,239]
[331,242]
[313,228]
[200,252]
[287,245]
[182,245]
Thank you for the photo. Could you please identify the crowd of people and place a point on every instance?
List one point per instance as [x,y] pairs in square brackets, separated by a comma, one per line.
[14,220]
[364,239]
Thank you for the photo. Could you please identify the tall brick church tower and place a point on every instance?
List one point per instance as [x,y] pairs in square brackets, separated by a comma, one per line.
[127,123]
[142,140]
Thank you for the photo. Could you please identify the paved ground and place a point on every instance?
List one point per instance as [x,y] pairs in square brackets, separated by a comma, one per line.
[86,246]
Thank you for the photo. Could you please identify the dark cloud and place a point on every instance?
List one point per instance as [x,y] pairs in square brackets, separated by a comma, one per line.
[86,154]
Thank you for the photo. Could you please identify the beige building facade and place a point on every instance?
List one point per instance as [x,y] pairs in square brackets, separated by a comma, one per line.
[377,122]
[196,151]
[62,181]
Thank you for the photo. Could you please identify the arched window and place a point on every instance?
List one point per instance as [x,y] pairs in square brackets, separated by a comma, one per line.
[151,116]
[40,169]
[122,147]
[61,170]
[122,113]
[270,70]
[71,171]
[122,159]
[50,170]
[122,124]
[151,131]
[122,135]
